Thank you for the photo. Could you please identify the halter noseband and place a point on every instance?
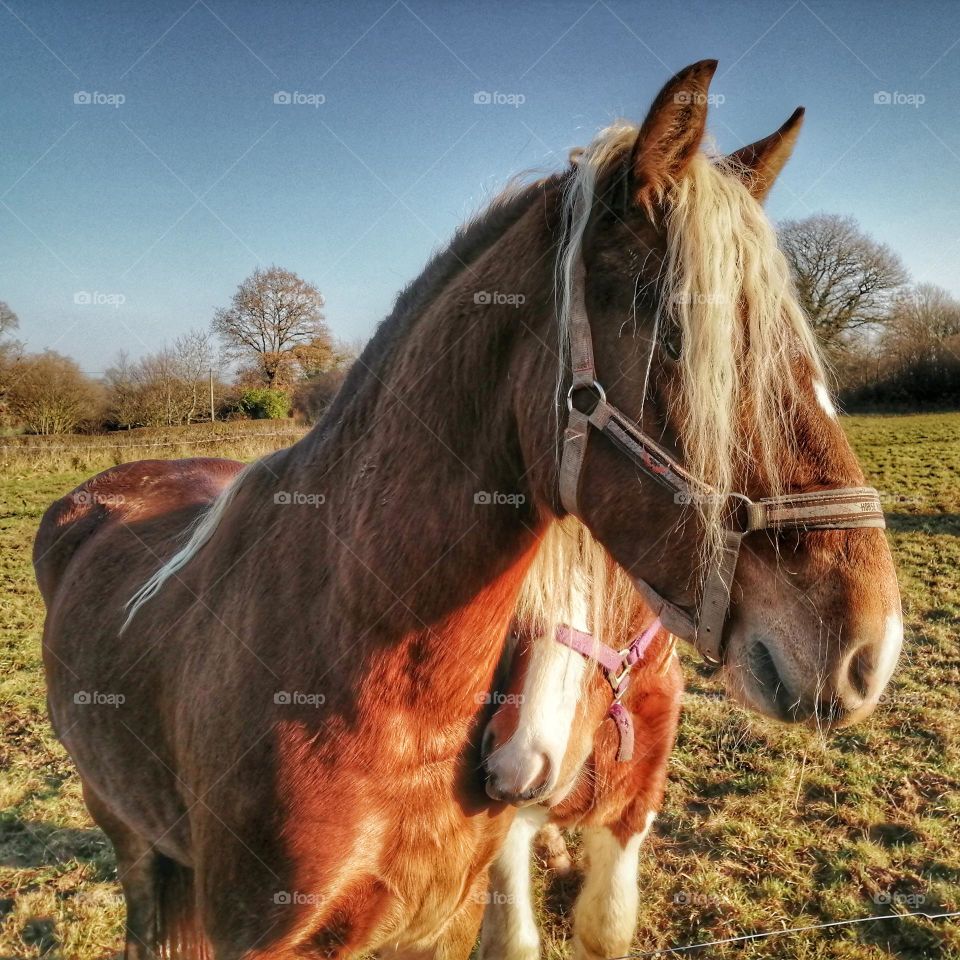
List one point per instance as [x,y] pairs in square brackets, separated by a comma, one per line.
[840,508]
[616,665]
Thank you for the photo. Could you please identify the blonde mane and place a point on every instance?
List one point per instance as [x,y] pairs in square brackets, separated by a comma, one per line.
[571,568]
[727,288]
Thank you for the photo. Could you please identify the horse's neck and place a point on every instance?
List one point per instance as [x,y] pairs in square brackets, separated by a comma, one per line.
[427,498]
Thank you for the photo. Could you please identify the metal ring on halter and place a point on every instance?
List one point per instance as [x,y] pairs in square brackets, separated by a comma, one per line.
[747,504]
[574,387]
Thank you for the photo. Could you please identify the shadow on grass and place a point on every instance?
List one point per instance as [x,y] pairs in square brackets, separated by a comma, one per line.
[25,843]
[924,523]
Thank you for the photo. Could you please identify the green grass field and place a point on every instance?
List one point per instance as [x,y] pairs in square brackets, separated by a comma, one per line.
[764,828]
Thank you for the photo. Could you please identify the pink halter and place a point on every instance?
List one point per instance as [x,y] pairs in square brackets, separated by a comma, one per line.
[616,666]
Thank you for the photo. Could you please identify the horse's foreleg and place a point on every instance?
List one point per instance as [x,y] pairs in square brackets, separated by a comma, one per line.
[137,863]
[605,914]
[509,929]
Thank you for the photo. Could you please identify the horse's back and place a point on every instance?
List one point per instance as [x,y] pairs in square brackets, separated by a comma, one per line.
[128,493]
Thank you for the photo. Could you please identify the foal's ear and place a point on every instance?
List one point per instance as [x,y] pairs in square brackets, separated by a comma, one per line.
[671,134]
[760,163]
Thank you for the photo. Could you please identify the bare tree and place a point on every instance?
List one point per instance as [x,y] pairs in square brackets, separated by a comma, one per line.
[10,352]
[166,388]
[924,326]
[273,313]
[9,321]
[52,395]
[845,279]
[195,359]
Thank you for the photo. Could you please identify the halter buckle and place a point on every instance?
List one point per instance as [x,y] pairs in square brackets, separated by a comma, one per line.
[595,385]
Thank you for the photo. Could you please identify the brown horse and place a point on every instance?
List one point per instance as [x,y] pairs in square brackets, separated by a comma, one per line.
[554,727]
[276,734]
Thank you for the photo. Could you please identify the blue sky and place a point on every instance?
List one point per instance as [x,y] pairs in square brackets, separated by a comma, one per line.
[155,208]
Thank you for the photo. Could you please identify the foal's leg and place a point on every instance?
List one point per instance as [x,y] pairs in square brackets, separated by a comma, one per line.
[509,929]
[136,870]
[605,914]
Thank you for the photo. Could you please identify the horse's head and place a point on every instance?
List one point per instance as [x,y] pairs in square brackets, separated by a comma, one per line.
[698,341]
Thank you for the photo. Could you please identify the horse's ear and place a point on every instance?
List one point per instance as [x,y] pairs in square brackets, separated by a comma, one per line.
[671,134]
[760,163]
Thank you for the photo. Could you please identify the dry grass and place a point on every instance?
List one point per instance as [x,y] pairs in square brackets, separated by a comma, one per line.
[764,827]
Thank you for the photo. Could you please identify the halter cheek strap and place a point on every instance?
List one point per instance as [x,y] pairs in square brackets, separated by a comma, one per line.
[616,665]
[841,508]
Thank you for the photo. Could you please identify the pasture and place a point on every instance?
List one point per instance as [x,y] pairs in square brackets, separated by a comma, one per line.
[763,828]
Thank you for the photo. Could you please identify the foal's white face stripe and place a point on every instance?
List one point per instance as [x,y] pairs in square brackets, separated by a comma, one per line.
[551,695]
[824,398]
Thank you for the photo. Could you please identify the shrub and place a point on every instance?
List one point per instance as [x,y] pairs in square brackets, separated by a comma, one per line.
[265,404]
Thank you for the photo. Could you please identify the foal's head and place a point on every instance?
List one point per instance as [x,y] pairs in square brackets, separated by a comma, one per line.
[699,339]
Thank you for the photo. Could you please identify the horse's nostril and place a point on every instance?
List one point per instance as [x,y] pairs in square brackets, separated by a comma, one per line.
[861,672]
[539,782]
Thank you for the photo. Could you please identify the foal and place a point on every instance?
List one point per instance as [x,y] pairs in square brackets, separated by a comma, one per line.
[555,738]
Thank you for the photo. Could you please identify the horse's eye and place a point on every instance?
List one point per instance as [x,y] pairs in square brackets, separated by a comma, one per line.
[671,341]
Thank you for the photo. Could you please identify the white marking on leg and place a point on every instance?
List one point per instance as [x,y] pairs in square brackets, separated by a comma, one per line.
[824,398]
[509,929]
[605,914]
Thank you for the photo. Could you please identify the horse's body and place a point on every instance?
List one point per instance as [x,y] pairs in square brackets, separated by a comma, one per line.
[221,817]
[276,734]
